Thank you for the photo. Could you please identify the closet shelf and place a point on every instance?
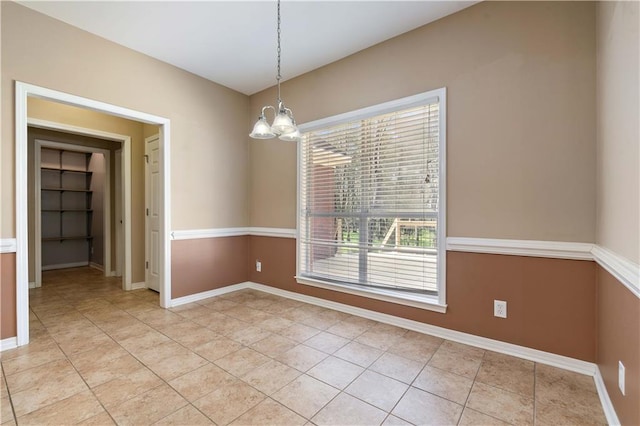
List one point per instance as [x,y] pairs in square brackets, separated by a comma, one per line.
[55,169]
[68,210]
[66,190]
[80,237]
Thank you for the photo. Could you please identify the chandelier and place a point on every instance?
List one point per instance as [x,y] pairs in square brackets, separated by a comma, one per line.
[283,126]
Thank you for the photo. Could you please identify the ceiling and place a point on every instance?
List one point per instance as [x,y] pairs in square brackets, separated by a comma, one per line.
[234,42]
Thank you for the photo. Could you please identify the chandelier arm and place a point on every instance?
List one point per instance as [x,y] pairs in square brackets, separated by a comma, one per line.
[264,109]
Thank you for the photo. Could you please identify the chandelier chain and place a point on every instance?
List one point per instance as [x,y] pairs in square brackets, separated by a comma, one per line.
[278,77]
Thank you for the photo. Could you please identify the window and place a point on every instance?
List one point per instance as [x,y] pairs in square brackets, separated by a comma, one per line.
[371,194]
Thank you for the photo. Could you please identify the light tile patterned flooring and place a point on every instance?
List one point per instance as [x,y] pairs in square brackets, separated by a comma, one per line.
[101,356]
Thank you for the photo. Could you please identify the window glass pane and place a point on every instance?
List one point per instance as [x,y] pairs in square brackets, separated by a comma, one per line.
[369,197]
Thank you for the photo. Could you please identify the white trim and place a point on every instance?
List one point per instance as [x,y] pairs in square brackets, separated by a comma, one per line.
[8,245]
[273,232]
[99,267]
[194,234]
[22,92]
[32,284]
[442,197]
[383,108]
[22,218]
[210,293]
[625,271]
[138,285]
[534,248]
[605,401]
[63,266]
[8,343]
[535,355]
[428,303]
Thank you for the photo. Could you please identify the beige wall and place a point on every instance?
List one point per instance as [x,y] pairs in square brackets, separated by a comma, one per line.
[65,114]
[521,89]
[618,128]
[208,121]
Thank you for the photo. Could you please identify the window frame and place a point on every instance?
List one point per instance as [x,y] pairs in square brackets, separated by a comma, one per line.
[428,302]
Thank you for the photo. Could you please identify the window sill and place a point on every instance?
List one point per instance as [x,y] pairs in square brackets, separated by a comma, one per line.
[429,303]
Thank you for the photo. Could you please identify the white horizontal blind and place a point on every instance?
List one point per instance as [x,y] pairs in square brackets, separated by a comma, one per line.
[369,199]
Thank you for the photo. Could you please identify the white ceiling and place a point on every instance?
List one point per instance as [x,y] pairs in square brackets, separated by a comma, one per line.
[234,42]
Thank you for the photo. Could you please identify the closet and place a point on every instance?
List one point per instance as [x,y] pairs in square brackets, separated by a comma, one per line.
[66,208]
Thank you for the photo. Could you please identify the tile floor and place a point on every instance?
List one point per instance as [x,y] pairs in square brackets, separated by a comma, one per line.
[101,356]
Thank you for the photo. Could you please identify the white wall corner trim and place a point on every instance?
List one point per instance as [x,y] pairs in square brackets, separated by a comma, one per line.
[533,248]
[9,343]
[624,270]
[607,405]
[193,234]
[8,245]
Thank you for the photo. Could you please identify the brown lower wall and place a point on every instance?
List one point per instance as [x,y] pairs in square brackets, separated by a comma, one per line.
[206,264]
[7,295]
[618,319]
[551,302]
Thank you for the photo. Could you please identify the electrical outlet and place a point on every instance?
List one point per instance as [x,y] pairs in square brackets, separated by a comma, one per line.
[621,376]
[258,266]
[500,308]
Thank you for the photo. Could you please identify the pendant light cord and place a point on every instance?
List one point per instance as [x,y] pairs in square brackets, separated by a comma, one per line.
[278,77]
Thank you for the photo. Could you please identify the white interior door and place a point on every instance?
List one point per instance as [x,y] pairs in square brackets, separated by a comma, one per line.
[152,220]
[119,207]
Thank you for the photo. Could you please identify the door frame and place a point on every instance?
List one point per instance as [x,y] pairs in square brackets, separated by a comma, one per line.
[22,92]
[106,226]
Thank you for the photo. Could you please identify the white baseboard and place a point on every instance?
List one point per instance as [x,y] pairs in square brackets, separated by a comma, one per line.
[207,294]
[139,285]
[8,343]
[607,405]
[535,355]
[96,266]
[64,266]
[32,284]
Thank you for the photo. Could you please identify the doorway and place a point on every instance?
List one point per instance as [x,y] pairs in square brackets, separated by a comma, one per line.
[23,92]
[72,206]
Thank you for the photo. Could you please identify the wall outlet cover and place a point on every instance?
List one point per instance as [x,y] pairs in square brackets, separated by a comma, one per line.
[621,374]
[258,266]
[500,308]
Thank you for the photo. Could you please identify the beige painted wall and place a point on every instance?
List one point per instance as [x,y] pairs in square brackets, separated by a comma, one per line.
[208,122]
[618,128]
[65,114]
[520,78]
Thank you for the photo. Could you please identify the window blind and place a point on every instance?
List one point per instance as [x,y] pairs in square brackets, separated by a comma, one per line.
[369,200]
